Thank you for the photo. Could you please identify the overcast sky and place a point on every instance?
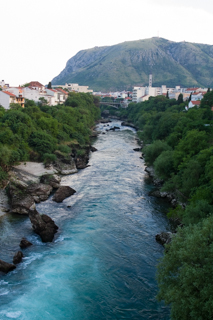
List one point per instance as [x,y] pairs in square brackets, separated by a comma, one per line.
[38,37]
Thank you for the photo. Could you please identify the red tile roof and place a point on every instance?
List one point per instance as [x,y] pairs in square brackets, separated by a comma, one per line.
[191,89]
[10,94]
[195,103]
[52,90]
[35,84]
[61,90]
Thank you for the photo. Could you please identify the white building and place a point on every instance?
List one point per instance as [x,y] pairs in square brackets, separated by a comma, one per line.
[137,93]
[3,85]
[6,98]
[74,87]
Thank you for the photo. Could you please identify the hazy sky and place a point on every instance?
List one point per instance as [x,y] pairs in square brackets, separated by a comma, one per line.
[38,37]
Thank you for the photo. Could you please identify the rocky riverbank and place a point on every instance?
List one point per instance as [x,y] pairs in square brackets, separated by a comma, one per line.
[33,182]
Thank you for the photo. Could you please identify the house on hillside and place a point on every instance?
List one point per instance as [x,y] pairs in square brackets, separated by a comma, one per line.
[197,96]
[193,104]
[37,86]
[6,98]
[62,95]
[54,96]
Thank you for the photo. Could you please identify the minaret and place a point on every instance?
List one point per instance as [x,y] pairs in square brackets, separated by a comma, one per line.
[150,80]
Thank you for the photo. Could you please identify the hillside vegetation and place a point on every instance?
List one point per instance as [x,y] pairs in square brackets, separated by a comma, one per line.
[36,132]
[128,64]
[180,147]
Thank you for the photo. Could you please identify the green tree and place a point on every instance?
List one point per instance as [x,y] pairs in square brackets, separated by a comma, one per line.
[42,101]
[154,150]
[185,273]
[180,98]
[49,86]
[164,164]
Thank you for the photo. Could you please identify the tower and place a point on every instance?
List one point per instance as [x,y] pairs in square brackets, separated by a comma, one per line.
[150,80]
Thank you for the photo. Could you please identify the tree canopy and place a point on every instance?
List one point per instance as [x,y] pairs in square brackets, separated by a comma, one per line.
[179,145]
[37,131]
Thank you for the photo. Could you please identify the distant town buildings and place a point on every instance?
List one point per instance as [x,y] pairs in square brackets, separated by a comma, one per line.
[58,94]
[140,94]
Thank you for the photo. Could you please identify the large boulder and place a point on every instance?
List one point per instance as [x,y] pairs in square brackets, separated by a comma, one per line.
[25,243]
[62,193]
[81,157]
[22,203]
[43,225]
[164,237]
[6,267]
[51,179]
[65,164]
[93,149]
[151,172]
[23,197]
[129,124]
[39,191]
[18,257]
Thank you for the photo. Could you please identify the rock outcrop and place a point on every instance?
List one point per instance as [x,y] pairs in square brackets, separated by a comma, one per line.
[51,179]
[22,203]
[18,257]
[129,124]
[39,191]
[23,197]
[62,193]
[164,237]
[25,243]
[81,156]
[43,225]
[6,267]
[151,172]
[93,149]
[65,164]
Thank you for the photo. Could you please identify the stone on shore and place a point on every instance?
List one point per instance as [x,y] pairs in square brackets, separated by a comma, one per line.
[51,179]
[39,191]
[25,243]
[93,149]
[164,237]
[62,193]
[65,164]
[43,225]
[137,149]
[6,267]
[18,257]
[22,203]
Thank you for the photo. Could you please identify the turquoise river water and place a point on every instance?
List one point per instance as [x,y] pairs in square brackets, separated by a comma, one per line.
[102,262]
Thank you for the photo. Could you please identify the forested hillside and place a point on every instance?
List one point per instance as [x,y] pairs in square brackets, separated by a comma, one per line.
[36,132]
[180,147]
[129,64]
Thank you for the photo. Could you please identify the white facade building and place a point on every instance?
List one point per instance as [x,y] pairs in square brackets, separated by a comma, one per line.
[6,98]
[74,87]
[137,93]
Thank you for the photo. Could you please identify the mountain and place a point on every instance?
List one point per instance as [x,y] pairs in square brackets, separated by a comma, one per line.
[129,64]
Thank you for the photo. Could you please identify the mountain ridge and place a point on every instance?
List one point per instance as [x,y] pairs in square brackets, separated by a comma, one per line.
[129,63]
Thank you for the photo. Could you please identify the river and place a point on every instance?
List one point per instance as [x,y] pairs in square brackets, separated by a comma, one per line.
[102,262]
